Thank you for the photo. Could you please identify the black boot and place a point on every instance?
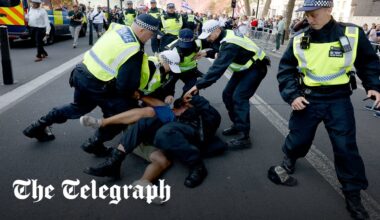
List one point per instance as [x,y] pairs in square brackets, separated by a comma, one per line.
[196,175]
[230,131]
[354,205]
[242,142]
[40,131]
[289,164]
[94,146]
[110,168]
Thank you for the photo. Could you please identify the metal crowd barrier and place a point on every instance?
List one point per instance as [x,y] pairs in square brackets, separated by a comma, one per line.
[263,35]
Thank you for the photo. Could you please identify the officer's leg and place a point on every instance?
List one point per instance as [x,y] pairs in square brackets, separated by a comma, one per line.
[246,88]
[228,102]
[302,127]
[178,139]
[80,106]
[340,124]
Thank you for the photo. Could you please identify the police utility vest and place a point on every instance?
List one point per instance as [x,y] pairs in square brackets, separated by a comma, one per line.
[190,18]
[171,25]
[155,14]
[240,40]
[111,51]
[129,18]
[188,62]
[155,81]
[325,64]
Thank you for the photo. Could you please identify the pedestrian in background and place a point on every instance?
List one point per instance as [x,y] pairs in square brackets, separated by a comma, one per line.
[39,25]
[372,36]
[97,18]
[76,18]
[243,25]
[280,32]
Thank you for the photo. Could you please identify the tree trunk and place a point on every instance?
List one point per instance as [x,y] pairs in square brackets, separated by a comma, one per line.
[289,15]
[247,7]
[266,8]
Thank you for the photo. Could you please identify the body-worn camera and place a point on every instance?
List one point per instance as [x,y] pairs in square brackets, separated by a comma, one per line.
[305,42]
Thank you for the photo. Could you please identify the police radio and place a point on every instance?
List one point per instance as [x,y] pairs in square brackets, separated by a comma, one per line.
[352,77]
[305,42]
[345,44]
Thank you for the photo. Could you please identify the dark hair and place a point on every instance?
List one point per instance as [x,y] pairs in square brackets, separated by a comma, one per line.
[178,103]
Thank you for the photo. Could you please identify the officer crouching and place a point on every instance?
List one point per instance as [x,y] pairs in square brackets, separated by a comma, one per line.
[324,54]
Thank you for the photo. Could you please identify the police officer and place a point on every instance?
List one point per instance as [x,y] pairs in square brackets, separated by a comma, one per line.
[129,14]
[324,54]
[155,12]
[188,48]
[107,78]
[249,65]
[171,23]
[191,21]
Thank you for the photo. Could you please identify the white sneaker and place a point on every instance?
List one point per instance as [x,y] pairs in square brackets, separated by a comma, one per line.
[89,121]
[274,50]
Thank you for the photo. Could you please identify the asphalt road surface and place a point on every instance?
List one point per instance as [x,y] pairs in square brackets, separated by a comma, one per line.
[236,187]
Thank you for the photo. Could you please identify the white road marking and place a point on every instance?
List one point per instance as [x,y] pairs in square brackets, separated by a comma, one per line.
[13,97]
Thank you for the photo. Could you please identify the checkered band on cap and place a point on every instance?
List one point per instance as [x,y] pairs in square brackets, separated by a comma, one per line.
[210,30]
[145,25]
[319,3]
[166,60]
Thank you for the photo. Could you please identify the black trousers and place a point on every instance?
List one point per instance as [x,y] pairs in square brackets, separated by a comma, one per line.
[339,120]
[181,141]
[88,94]
[143,131]
[176,138]
[239,89]
[38,35]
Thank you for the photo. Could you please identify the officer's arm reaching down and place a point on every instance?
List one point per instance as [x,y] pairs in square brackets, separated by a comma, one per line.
[287,76]
[367,66]
[226,55]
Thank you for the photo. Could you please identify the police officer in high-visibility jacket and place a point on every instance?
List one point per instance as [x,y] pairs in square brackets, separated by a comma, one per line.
[129,14]
[324,54]
[188,48]
[155,12]
[248,63]
[191,21]
[171,23]
[108,77]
